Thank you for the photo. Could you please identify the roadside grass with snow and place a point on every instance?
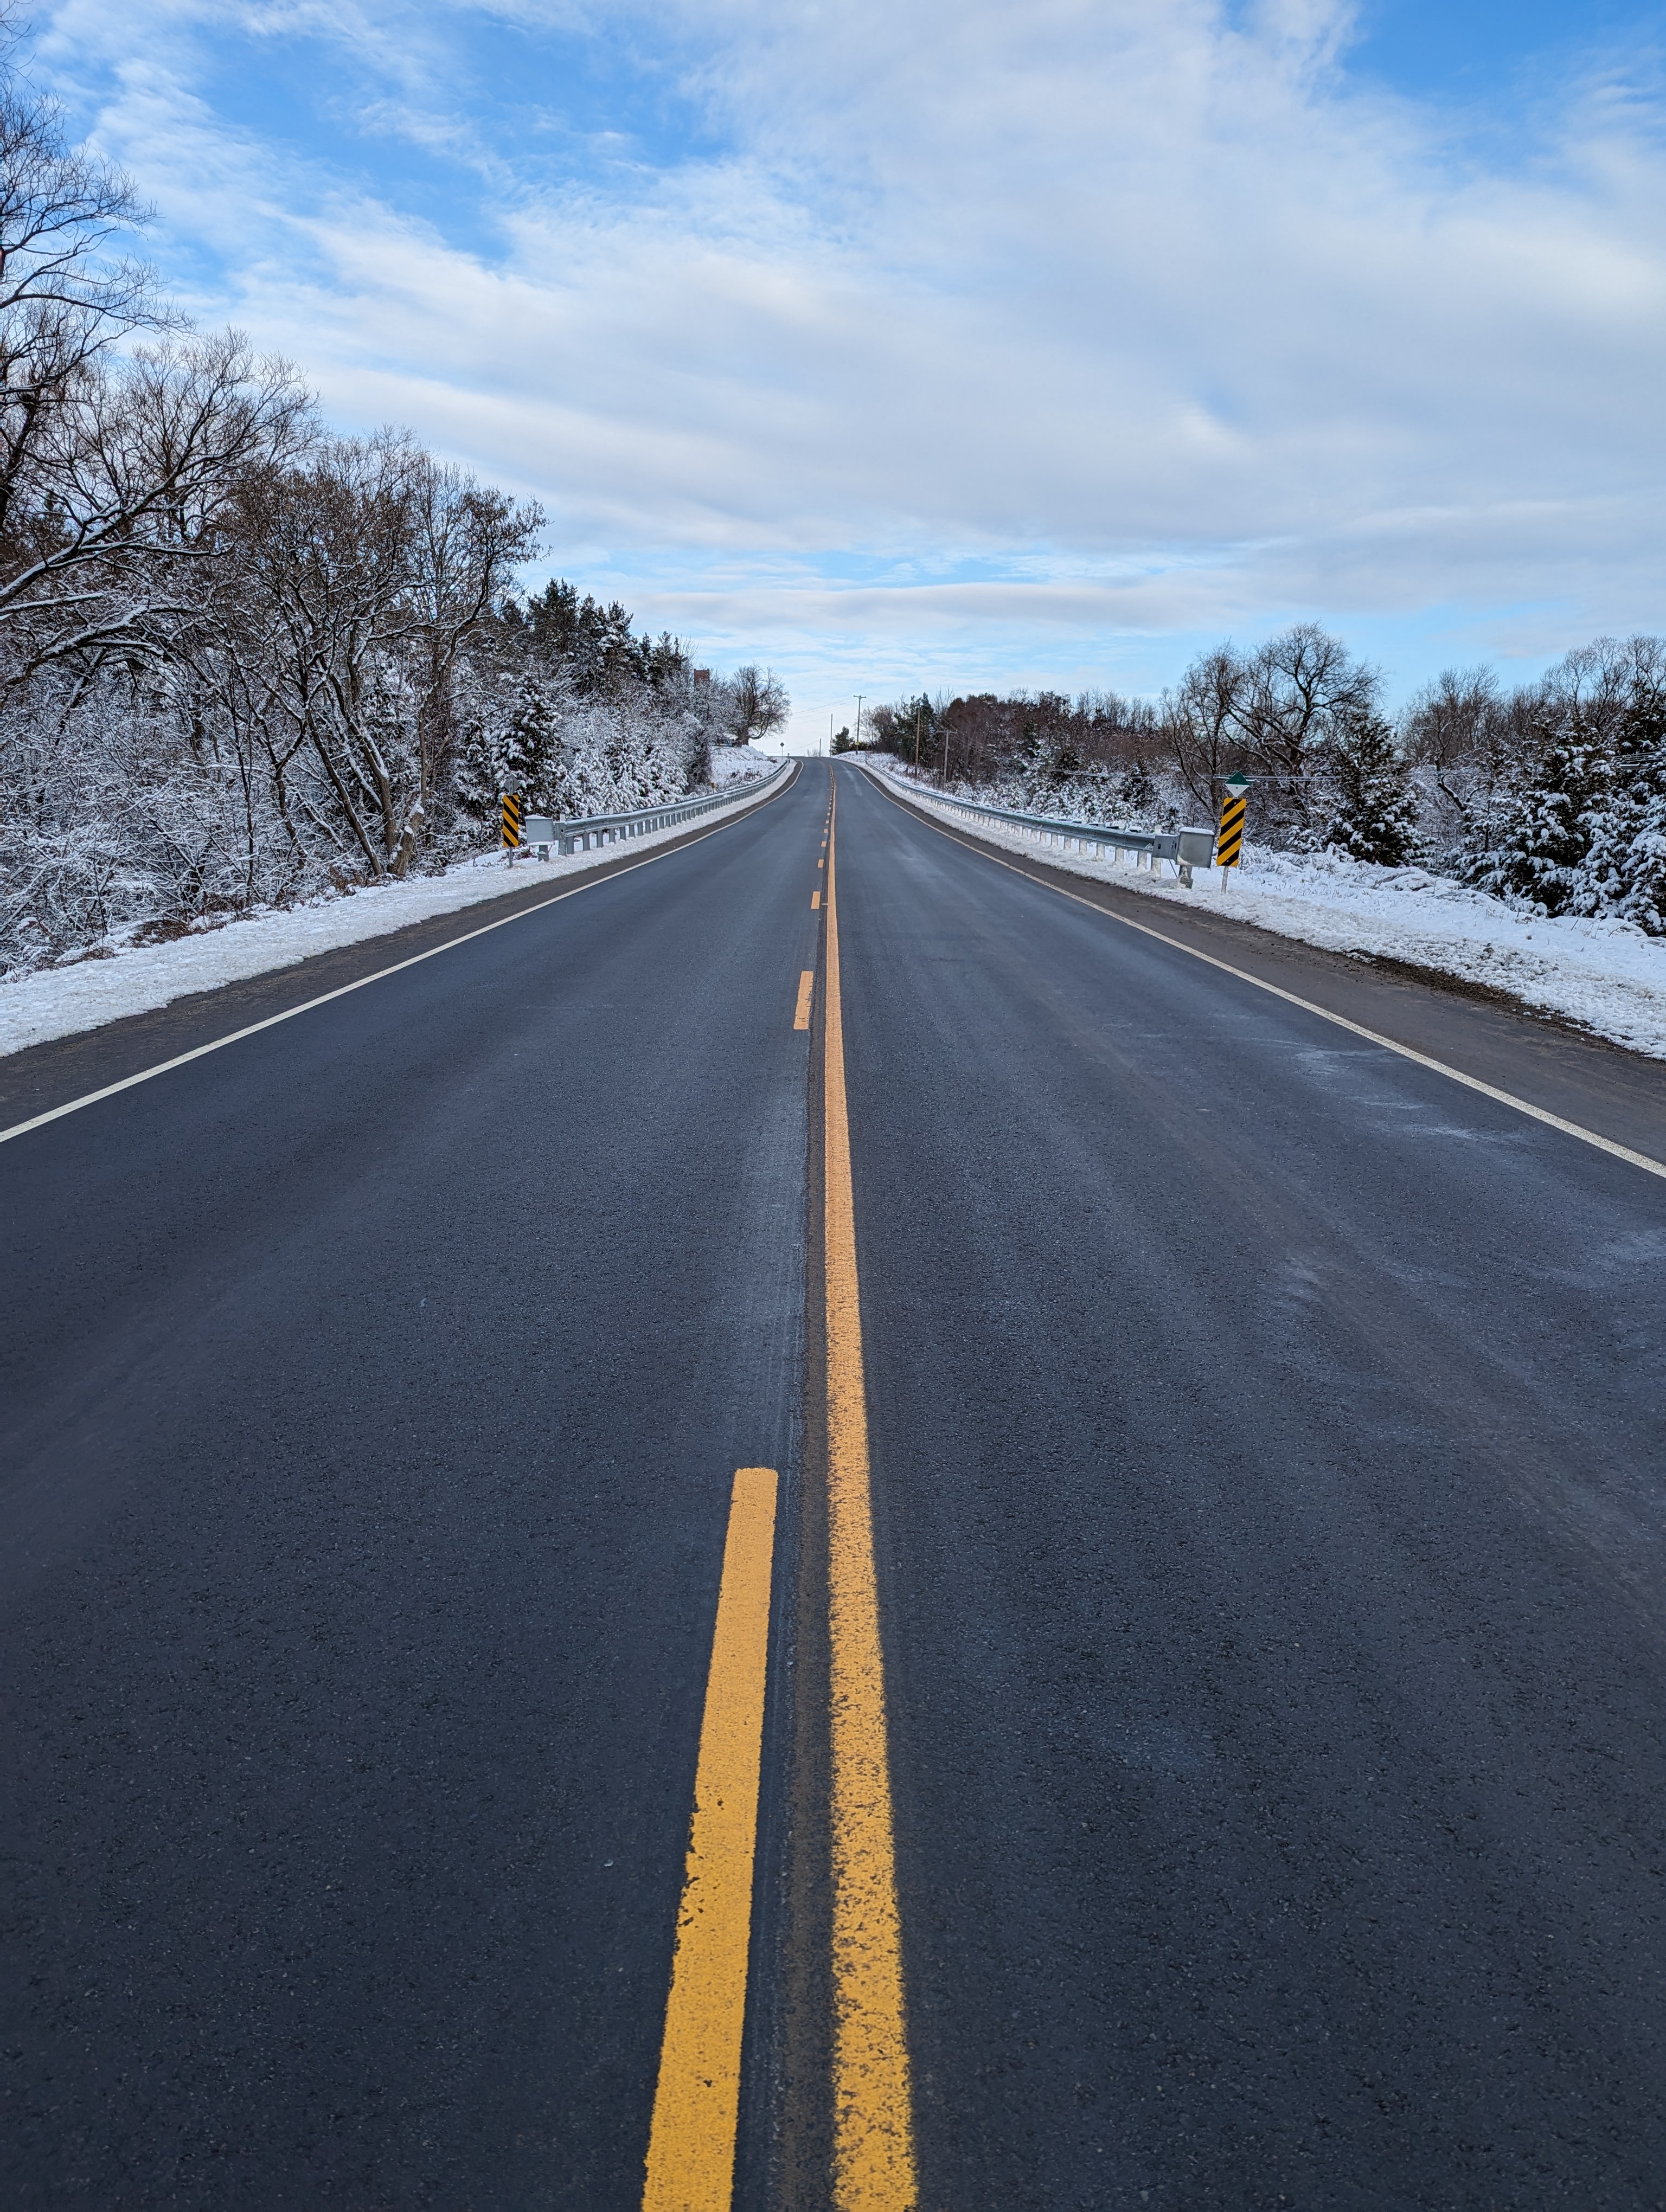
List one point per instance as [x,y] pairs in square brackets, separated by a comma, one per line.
[1606,976]
[123,978]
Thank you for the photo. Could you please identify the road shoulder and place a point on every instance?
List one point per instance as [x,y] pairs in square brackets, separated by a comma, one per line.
[1561,1069]
[40,1077]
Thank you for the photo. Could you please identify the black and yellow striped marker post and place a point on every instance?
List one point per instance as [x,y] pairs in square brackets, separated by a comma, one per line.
[1229,839]
[512,822]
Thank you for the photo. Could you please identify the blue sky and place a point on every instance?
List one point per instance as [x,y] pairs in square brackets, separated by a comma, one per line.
[961,345]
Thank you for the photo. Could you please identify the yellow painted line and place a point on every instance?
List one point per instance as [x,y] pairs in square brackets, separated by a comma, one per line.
[1338,1021]
[873,2168]
[801,1012]
[815,901]
[398,967]
[690,2152]
[821,864]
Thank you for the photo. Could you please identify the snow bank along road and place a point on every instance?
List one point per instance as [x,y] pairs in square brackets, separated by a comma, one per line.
[1142,1507]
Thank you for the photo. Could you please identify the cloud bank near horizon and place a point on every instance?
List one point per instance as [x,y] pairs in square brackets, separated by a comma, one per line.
[948,344]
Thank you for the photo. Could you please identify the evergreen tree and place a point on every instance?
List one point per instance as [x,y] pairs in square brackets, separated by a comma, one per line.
[1136,794]
[1624,873]
[1625,870]
[1544,840]
[1372,816]
[911,733]
[511,741]
[594,647]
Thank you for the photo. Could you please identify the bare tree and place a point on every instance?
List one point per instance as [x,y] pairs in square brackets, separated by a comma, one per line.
[466,543]
[1592,694]
[127,488]
[1302,688]
[356,581]
[323,564]
[1202,722]
[114,464]
[1468,742]
[758,703]
[64,296]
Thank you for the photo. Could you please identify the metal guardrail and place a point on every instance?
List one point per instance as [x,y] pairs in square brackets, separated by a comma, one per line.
[1186,849]
[541,834]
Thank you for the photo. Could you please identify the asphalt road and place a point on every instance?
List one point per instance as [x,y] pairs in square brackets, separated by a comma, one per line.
[1269,1477]
[373,1392]
[1268,1506]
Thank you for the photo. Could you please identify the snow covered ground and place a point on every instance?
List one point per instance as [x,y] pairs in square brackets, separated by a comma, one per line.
[1606,976]
[58,1002]
[736,763]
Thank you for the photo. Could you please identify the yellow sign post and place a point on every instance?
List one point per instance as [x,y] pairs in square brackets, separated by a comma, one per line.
[1229,838]
[512,824]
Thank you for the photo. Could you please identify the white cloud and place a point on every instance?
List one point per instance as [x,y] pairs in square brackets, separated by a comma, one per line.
[1164,305]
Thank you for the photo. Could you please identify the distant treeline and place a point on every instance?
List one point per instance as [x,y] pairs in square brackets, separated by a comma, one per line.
[244,660]
[1552,792]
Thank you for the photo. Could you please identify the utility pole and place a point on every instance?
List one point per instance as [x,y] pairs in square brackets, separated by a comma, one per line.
[917,741]
[859,718]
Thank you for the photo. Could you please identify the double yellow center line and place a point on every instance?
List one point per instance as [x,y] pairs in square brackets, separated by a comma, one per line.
[690,2159]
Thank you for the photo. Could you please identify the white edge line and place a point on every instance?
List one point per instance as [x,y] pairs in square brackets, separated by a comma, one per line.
[1339,1021]
[234,1037]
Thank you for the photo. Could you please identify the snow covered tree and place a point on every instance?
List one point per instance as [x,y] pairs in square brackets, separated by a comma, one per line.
[355,580]
[509,739]
[1135,794]
[623,753]
[1544,839]
[1469,743]
[1371,815]
[117,459]
[1583,834]
[1624,870]
[908,729]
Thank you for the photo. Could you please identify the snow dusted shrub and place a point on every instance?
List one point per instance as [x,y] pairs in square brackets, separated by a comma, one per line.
[1136,798]
[61,892]
[74,778]
[569,755]
[630,752]
[118,812]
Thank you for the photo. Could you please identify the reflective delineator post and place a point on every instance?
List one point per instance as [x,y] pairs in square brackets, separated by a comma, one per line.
[1229,838]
